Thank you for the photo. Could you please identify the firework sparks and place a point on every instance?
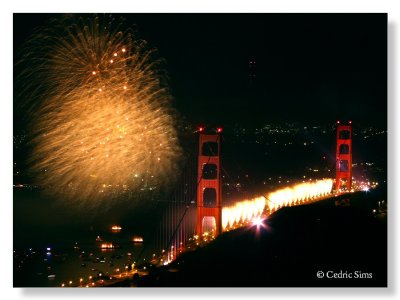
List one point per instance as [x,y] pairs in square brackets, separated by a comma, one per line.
[248,210]
[102,125]
[242,212]
[299,193]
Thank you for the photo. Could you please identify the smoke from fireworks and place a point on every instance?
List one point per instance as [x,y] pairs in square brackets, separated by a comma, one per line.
[102,124]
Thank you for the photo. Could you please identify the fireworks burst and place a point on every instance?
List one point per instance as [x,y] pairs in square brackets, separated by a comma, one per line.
[102,124]
[299,193]
[248,210]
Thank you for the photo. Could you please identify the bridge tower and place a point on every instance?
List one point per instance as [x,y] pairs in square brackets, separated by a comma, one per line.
[209,180]
[343,156]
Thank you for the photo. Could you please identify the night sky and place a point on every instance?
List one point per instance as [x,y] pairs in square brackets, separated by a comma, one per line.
[309,67]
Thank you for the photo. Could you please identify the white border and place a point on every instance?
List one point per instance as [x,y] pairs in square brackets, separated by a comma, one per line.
[124,6]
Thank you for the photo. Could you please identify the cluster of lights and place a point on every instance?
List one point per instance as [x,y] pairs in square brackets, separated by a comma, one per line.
[105,246]
[168,256]
[363,185]
[100,280]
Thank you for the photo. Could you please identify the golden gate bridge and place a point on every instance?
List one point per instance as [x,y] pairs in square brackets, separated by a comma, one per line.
[197,214]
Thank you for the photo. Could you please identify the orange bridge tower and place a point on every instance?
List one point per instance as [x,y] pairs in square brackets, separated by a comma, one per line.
[343,156]
[209,204]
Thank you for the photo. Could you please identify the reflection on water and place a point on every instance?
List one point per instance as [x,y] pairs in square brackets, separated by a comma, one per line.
[55,265]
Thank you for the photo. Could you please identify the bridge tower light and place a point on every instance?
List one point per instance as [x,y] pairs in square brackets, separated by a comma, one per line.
[344,157]
[209,196]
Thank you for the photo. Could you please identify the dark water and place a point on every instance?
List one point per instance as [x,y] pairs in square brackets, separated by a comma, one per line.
[32,266]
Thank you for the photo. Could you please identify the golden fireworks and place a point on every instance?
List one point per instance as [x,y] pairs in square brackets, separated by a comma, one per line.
[100,110]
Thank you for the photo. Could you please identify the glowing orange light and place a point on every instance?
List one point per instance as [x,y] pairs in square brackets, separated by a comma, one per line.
[116,228]
[138,239]
[115,54]
[107,246]
[94,72]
